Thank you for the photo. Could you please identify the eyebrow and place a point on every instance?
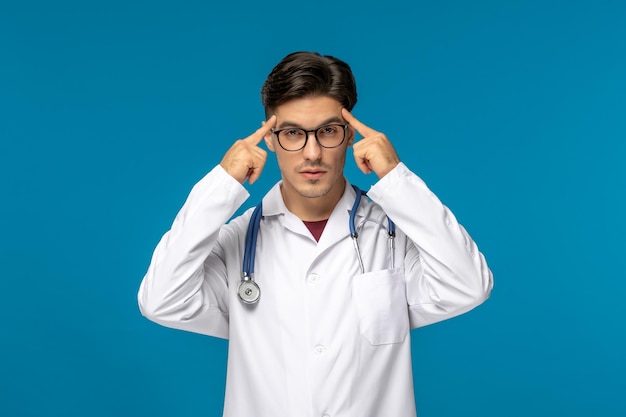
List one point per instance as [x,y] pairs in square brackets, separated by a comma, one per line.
[287,123]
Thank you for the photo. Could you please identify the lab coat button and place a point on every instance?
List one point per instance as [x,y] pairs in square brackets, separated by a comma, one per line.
[319,349]
[326,415]
[313,279]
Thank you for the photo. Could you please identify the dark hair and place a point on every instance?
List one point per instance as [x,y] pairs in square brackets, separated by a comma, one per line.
[306,74]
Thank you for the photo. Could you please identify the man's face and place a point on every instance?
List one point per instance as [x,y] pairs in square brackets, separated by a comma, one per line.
[313,171]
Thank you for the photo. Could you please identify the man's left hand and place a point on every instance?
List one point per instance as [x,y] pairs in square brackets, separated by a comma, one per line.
[374,152]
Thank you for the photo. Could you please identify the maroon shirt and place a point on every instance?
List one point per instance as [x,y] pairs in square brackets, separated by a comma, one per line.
[316,228]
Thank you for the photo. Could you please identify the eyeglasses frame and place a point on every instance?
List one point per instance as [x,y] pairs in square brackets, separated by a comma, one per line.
[314,131]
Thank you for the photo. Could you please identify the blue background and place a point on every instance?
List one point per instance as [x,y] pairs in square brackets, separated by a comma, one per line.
[512,112]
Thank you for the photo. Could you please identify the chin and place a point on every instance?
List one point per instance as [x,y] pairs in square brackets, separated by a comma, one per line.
[314,190]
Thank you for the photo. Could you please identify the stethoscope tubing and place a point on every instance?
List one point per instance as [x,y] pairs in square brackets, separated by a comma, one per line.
[391,230]
[251,237]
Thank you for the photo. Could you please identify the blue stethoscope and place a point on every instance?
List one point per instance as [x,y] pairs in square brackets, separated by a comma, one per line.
[249,291]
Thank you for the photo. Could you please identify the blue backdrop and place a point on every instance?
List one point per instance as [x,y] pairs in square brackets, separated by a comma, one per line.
[513,112]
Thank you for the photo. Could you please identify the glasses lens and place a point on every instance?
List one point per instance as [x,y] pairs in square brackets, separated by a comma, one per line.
[330,136]
[292,139]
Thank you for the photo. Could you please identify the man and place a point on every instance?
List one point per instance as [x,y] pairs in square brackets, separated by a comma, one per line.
[329,333]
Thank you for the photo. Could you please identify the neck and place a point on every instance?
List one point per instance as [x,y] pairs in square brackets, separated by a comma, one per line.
[312,209]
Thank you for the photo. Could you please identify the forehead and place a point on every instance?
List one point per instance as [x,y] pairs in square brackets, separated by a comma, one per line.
[308,112]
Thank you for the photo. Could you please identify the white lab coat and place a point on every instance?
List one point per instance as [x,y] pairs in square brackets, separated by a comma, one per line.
[324,339]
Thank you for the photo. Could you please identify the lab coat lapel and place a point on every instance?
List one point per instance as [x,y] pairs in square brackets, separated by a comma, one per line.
[338,226]
[273,205]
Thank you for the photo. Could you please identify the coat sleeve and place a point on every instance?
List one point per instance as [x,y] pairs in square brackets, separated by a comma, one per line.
[446,275]
[186,285]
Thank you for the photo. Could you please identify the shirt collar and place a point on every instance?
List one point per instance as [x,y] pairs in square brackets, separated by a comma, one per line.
[274,205]
[337,226]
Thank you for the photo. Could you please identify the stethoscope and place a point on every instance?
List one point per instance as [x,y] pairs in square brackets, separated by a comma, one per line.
[249,291]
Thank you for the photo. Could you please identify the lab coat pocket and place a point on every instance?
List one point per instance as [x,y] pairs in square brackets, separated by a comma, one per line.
[380,298]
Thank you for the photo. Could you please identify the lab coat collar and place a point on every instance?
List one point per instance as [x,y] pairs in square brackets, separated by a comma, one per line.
[336,228]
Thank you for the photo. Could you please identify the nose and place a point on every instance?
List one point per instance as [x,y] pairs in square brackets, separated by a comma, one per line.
[312,150]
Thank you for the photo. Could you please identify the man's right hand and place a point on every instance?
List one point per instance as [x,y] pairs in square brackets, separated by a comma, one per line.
[245,159]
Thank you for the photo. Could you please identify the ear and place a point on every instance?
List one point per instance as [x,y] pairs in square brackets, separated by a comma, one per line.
[269,142]
[351,135]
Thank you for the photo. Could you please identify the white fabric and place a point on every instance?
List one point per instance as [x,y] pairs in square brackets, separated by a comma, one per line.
[323,339]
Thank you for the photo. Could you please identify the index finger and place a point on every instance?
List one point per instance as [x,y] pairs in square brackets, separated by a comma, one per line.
[260,133]
[354,122]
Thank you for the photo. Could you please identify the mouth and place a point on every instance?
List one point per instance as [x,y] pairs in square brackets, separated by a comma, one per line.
[312,174]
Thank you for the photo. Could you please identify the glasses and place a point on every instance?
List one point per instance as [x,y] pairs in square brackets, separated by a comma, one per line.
[293,139]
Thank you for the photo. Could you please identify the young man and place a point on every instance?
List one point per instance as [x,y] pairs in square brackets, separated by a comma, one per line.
[328,335]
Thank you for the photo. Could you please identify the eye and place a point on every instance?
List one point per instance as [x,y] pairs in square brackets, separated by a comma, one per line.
[330,130]
[292,133]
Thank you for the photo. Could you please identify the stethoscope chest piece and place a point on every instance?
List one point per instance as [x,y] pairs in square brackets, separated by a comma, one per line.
[249,291]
